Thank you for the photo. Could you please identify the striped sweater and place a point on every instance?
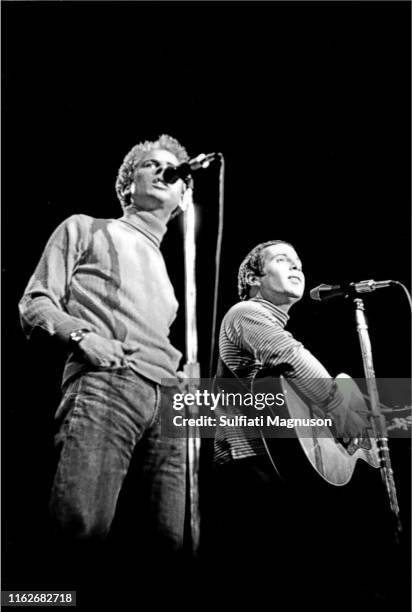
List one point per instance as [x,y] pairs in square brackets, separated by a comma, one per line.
[108,276]
[253,337]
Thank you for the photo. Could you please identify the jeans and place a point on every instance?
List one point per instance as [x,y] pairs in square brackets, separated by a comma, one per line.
[104,418]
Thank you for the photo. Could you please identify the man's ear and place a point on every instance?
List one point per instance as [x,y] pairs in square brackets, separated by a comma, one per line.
[128,192]
[252,279]
[254,284]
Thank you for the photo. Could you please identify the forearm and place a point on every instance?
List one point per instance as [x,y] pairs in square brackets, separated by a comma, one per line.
[321,392]
[40,314]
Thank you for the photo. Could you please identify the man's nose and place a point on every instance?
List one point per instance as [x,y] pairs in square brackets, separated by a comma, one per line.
[159,170]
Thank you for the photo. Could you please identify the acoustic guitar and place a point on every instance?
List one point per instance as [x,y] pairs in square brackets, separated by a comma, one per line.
[332,458]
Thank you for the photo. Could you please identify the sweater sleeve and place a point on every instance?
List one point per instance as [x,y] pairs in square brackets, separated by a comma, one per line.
[271,345]
[43,305]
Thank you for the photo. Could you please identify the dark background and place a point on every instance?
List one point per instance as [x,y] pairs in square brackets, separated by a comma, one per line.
[309,104]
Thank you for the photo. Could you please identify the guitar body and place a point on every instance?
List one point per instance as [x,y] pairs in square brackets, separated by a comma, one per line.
[331,458]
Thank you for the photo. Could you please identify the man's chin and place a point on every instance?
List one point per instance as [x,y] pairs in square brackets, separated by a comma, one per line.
[295,296]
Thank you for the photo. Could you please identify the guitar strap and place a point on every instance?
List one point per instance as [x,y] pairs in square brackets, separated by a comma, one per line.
[245,380]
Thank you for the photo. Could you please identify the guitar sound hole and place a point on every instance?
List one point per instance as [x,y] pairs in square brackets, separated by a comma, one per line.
[351,445]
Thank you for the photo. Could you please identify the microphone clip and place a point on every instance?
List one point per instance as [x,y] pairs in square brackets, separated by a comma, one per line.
[202,161]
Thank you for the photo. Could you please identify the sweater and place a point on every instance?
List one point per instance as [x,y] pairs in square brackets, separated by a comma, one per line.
[107,276]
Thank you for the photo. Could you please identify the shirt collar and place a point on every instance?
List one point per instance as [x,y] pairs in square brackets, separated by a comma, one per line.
[280,315]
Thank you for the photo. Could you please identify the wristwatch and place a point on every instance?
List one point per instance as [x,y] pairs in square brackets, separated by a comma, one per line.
[77,335]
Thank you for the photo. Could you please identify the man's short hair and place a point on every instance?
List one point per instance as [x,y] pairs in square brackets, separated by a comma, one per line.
[130,162]
[253,265]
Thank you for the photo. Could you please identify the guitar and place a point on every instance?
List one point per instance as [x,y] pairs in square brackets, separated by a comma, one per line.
[332,458]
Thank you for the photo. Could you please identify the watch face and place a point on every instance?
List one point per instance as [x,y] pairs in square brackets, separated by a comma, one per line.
[78,335]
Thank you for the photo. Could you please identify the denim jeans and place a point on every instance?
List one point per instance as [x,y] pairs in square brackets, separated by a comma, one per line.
[103,418]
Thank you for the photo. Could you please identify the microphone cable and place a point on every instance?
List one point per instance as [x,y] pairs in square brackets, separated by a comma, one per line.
[408,295]
[219,239]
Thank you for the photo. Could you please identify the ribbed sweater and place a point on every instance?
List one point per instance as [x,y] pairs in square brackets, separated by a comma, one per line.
[108,276]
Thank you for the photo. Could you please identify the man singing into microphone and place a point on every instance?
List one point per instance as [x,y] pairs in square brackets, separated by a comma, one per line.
[101,288]
[254,516]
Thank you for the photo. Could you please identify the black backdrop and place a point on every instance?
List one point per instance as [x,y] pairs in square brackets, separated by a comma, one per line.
[310,105]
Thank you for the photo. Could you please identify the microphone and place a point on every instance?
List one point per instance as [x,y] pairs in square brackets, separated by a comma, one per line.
[326,292]
[171,175]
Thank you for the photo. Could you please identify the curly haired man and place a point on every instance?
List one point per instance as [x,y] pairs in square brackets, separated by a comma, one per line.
[101,287]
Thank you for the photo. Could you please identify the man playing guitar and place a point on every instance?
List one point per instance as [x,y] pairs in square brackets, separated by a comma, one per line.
[256,510]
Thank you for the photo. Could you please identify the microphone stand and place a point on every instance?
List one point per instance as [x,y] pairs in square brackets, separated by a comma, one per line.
[191,368]
[378,420]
